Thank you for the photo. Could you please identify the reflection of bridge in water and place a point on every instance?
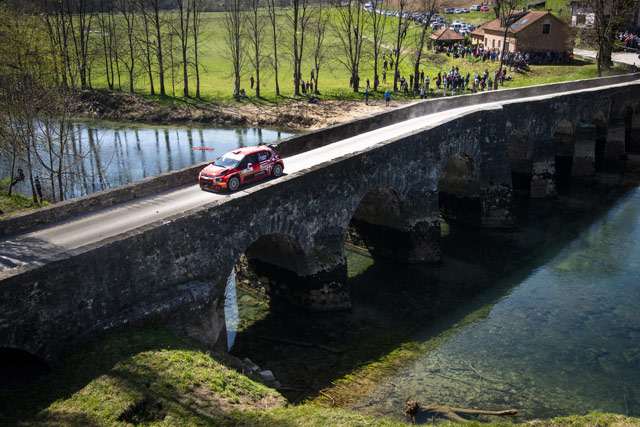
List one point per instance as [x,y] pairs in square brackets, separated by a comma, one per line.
[391,183]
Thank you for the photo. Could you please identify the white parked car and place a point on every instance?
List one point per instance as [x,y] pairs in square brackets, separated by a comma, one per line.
[475,7]
[464,10]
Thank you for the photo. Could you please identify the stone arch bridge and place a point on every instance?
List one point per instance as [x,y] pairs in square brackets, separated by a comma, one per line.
[467,167]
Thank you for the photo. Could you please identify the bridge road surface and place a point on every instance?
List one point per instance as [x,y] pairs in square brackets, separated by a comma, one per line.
[43,244]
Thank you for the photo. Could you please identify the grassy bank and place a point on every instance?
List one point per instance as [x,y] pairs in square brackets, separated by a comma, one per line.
[15,203]
[151,376]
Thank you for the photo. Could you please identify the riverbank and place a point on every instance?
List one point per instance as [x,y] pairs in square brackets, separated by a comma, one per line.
[152,376]
[299,115]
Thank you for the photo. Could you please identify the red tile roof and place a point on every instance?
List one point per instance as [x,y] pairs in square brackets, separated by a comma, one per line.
[445,34]
[525,21]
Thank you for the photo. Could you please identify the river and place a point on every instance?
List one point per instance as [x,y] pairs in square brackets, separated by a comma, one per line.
[103,154]
[543,319]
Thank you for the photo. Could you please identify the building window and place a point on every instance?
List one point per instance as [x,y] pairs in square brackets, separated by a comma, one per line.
[493,43]
[499,43]
[546,27]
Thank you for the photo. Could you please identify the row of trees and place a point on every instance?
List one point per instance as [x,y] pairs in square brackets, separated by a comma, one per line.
[150,40]
[135,38]
[159,41]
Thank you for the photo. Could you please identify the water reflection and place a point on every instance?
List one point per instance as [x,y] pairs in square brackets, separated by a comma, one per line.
[543,320]
[565,341]
[106,154]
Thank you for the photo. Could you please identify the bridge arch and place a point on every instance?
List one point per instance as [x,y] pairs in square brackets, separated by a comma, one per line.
[459,195]
[565,149]
[18,366]
[521,148]
[397,225]
[311,276]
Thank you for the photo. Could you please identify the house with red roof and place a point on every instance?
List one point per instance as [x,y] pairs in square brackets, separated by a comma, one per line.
[529,31]
[445,36]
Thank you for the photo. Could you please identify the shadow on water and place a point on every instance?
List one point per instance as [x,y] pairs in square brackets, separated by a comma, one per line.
[396,304]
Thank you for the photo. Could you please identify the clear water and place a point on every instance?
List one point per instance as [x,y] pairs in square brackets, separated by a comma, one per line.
[107,154]
[544,319]
[565,340]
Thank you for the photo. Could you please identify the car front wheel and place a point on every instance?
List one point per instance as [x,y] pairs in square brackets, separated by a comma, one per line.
[234,183]
[277,170]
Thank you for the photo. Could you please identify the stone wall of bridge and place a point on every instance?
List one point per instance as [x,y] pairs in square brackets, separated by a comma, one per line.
[293,228]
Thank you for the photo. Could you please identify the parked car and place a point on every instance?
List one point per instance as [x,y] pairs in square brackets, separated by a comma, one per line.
[484,9]
[449,10]
[464,10]
[471,27]
[457,11]
[475,7]
[240,166]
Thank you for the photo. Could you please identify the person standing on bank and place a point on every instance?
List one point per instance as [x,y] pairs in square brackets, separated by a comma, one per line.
[387,97]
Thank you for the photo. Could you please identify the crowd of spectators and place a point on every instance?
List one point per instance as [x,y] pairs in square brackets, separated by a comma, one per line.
[629,39]
[539,57]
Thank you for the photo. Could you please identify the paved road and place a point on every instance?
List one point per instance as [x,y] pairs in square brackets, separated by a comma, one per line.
[41,245]
[622,57]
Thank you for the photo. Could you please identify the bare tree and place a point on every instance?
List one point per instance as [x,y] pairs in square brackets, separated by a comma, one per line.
[150,10]
[24,76]
[509,17]
[80,17]
[108,35]
[299,15]
[127,10]
[183,32]
[610,15]
[350,27]
[319,29]
[234,27]
[401,34]
[256,24]
[58,29]
[147,44]
[428,8]
[273,18]
[196,27]
[378,25]
[170,53]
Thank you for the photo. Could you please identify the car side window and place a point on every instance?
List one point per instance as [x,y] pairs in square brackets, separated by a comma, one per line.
[243,163]
[253,158]
[263,155]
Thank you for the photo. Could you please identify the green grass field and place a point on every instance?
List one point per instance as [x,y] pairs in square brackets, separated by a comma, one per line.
[333,80]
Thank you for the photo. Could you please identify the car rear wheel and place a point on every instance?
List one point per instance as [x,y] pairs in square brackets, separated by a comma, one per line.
[277,170]
[234,183]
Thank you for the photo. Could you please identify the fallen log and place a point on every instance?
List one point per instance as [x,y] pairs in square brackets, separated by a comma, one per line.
[412,407]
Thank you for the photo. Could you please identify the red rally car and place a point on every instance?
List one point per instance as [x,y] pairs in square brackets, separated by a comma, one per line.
[240,166]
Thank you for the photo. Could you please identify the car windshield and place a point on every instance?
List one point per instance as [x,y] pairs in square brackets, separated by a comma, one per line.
[229,160]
